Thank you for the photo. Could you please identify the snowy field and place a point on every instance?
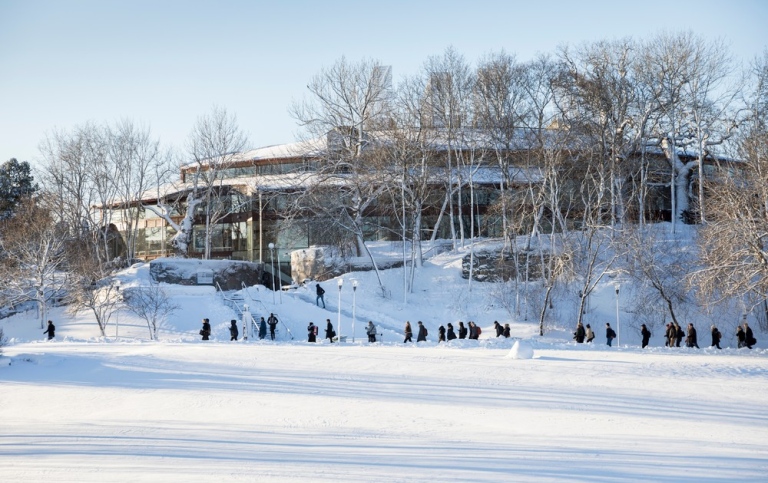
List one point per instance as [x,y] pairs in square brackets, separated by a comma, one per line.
[83,408]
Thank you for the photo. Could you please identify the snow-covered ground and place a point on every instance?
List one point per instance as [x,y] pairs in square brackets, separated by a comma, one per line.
[83,408]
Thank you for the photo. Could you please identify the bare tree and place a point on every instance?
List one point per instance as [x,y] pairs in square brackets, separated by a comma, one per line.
[214,143]
[33,256]
[152,304]
[346,100]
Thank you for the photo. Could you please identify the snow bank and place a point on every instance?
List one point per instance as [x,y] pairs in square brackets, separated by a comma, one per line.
[520,350]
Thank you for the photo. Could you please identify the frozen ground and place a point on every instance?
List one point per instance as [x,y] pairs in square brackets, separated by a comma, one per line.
[84,408]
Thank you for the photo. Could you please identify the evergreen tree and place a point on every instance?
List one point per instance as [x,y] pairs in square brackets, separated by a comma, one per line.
[16,182]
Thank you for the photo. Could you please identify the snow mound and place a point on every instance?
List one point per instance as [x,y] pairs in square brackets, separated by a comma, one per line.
[521,350]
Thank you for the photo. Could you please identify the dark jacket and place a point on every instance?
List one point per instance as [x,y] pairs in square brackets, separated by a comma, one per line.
[506,330]
[233,332]
[311,332]
[206,330]
[646,335]
[691,340]
[749,338]
[499,329]
[422,335]
[51,331]
[580,333]
[462,331]
[262,328]
[441,334]
[716,336]
[450,335]
[329,332]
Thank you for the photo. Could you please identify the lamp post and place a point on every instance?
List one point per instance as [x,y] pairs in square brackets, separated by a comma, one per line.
[338,320]
[117,315]
[272,259]
[354,291]
[618,323]
[246,316]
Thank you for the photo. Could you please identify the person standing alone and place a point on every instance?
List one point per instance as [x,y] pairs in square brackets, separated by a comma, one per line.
[610,334]
[272,322]
[646,334]
[320,295]
[51,330]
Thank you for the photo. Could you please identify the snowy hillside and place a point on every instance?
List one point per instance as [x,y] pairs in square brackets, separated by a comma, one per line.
[125,408]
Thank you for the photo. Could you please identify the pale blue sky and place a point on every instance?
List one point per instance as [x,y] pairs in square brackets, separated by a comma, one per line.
[163,63]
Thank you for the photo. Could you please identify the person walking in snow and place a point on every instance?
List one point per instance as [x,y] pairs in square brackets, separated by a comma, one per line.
[450,334]
[441,334]
[679,334]
[473,332]
[422,335]
[646,334]
[580,333]
[498,327]
[329,332]
[320,295]
[740,337]
[749,338]
[610,334]
[462,331]
[262,328]
[668,334]
[51,331]
[233,332]
[272,322]
[506,332]
[716,336]
[370,329]
[206,330]
[691,340]
[311,332]
[408,332]
[589,334]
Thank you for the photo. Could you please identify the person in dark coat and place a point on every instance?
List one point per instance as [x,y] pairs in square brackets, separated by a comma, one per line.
[51,331]
[370,329]
[716,336]
[450,334]
[311,332]
[272,322]
[610,334]
[580,333]
[408,332]
[422,335]
[741,338]
[233,332]
[206,330]
[506,332]
[498,327]
[320,295]
[690,339]
[749,338]
[646,334]
[462,331]
[473,330]
[679,334]
[329,332]
[668,336]
[441,334]
[262,328]
[590,334]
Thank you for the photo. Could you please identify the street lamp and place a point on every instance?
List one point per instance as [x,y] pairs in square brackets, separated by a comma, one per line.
[618,323]
[117,315]
[272,259]
[246,316]
[354,291]
[338,320]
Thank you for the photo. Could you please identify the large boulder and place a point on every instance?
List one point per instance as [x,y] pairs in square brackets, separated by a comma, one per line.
[227,274]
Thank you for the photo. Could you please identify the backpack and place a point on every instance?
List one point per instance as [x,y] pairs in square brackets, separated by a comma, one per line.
[680,333]
[314,330]
[479,330]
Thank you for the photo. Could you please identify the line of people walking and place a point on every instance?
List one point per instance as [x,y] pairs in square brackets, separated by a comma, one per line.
[673,334]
